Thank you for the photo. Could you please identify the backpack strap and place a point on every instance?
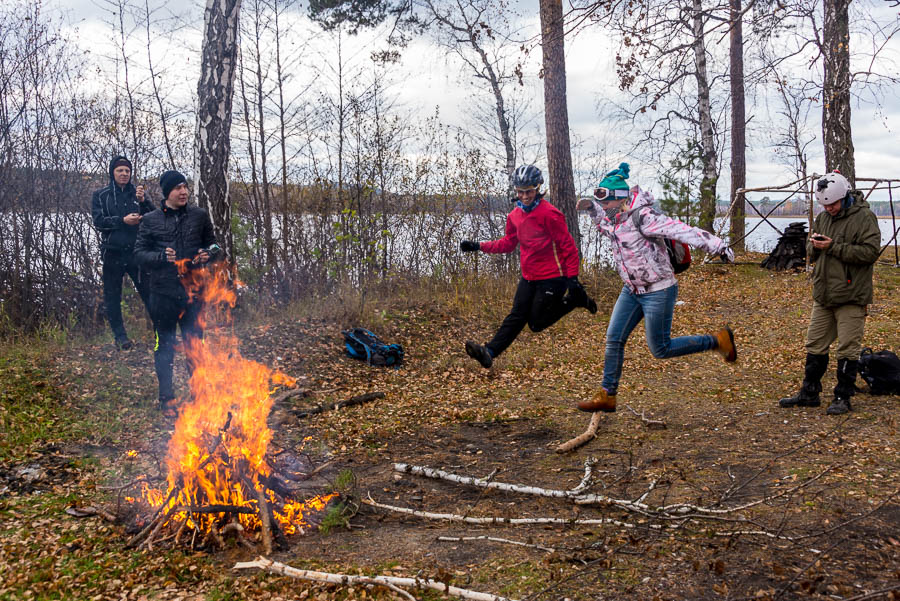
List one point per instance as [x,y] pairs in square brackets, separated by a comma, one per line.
[636,220]
[352,335]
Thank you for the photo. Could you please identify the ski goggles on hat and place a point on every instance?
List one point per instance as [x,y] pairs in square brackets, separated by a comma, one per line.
[607,195]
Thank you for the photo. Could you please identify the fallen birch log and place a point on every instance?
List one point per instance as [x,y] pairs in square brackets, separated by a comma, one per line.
[583,438]
[392,582]
[494,539]
[454,517]
[438,474]
[674,511]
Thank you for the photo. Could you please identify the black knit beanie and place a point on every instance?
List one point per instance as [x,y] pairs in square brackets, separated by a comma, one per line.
[119,162]
[169,180]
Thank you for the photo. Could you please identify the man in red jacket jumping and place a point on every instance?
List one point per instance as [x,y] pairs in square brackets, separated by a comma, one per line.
[549,261]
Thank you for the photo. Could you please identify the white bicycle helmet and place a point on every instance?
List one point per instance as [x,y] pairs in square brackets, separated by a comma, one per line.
[831,188]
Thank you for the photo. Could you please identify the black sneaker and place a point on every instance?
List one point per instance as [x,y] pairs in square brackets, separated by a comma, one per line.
[838,406]
[591,306]
[480,353]
[123,343]
[799,401]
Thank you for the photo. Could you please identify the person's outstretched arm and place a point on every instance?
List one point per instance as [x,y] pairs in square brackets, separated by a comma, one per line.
[657,225]
[506,244]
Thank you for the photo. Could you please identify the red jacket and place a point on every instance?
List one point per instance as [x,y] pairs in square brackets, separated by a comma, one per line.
[546,247]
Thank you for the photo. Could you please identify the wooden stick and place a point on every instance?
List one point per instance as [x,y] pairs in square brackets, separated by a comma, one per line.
[291,393]
[81,512]
[140,535]
[215,509]
[216,443]
[583,438]
[181,528]
[493,539]
[653,424]
[357,400]
[266,530]
[275,567]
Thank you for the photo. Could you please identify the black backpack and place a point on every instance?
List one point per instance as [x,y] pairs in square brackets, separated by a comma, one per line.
[679,252]
[364,345]
[880,370]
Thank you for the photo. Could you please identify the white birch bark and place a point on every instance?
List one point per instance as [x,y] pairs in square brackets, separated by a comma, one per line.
[707,134]
[215,90]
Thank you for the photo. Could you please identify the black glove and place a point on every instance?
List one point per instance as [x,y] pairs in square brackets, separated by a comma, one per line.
[468,246]
[572,284]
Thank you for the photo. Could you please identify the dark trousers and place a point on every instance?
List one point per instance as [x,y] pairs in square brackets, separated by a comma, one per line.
[168,313]
[115,265]
[538,304]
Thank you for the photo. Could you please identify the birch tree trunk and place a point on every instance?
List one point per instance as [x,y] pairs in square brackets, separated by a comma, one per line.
[738,125]
[707,135]
[836,90]
[556,115]
[214,95]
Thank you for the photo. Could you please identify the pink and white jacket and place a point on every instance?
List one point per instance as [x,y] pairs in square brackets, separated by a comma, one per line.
[642,262]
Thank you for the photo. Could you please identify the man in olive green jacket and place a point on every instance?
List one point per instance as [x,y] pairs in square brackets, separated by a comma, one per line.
[844,245]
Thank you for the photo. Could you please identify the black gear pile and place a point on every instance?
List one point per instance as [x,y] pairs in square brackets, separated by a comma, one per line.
[790,252]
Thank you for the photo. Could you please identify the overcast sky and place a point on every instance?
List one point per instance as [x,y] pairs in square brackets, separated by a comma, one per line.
[427,79]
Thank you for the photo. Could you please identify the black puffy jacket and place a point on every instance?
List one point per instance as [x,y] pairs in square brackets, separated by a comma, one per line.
[187,230]
[108,207]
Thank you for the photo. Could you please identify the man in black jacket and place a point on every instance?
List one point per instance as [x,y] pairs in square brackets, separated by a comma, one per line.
[117,210]
[174,233]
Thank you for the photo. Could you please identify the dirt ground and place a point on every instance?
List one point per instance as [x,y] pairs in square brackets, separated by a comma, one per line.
[821,493]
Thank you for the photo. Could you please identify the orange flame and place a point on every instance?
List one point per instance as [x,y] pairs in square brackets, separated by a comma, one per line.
[217,454]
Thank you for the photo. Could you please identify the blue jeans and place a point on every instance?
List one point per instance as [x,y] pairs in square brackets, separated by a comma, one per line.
[656,309]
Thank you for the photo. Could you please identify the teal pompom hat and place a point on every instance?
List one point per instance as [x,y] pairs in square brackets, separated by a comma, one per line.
[615,179]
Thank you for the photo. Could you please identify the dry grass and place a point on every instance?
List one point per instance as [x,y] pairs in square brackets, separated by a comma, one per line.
[442,410]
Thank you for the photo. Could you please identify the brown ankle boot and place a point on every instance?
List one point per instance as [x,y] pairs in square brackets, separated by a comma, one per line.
[601,402]
[725,344]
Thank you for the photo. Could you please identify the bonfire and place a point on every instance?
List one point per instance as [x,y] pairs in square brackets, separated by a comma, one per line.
[219,478]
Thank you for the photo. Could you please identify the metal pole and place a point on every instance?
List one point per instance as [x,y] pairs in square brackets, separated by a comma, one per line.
[809,204]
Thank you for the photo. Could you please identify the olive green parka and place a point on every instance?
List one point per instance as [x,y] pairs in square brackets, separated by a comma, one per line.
[843,272]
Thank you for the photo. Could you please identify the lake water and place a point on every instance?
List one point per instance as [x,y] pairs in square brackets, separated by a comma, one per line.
[419,244]
[764,238]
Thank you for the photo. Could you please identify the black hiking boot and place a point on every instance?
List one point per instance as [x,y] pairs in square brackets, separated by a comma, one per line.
[812,384]
[480,353]
[846,386]
[578,296]
[123,343]
[838,406]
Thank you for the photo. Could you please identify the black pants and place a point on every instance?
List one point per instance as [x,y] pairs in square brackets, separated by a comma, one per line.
[115,265]
[168,313]
[538,304]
